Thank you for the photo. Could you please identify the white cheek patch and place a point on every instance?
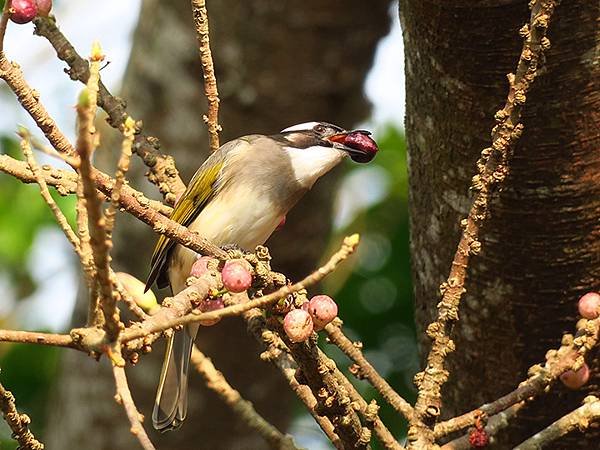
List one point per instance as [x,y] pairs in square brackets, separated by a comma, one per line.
[301,127]
[311,163]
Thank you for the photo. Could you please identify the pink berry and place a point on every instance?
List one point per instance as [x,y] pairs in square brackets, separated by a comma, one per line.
[23,11]
[323,310]
[200,266]
[589,305]
[236,275]
[211,305]
[574,379]
[298,325]
[478,438]
[44,7]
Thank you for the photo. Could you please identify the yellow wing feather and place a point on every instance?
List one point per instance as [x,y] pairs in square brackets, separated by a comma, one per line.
[199,191]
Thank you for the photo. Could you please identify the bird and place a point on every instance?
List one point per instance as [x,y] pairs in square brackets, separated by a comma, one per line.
[238,197]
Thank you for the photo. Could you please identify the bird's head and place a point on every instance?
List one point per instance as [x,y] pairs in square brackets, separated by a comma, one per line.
[316,147]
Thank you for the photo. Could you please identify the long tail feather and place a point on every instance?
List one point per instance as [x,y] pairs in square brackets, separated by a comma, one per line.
[170,406]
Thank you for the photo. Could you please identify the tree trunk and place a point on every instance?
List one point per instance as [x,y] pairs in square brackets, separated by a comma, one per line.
[541,246]
[277,63]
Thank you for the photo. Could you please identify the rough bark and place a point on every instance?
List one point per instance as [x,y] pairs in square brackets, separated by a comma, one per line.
[541,246]
[277,63]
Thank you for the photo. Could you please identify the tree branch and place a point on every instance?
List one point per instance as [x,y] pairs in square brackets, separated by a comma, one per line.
[163,172]
[65,182]
[135,418]
[579,419]
[99,239]
[216,382]
[33,337]
[338,338]
[568,355]
[210,82]
[18,423]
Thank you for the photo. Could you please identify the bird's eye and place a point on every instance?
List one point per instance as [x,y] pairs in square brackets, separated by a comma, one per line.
[320,129]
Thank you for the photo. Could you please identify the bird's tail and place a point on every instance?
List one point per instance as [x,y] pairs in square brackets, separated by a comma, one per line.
[170,406]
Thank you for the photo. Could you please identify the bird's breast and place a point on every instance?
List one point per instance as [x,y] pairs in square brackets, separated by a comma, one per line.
[244,217]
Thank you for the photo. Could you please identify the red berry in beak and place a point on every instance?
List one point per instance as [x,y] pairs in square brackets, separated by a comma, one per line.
[366,146]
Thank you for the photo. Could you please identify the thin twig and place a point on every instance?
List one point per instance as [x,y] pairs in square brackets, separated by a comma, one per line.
[86,254]
[210,82]
[65,182]
[33,337]
[579,419]
[17,422]
[4,23]
[353,351]
[30,100]
[494,425]
[122,168]
[58,214]
[135,418]
[216,382]
[163,172]
[493,168]
[99,240]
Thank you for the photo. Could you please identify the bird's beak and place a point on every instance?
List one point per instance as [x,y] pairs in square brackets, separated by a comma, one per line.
[358,144]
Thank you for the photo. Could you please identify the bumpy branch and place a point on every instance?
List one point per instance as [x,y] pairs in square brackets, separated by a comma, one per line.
[493,168]
[163,172]
[30,102]
[135,418]
[580,419]
[18,423]
[210,81]
[243,408]
[99,239]
[366,370]
[65,182]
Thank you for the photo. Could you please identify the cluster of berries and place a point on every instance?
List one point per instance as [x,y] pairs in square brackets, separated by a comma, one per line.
[298,324]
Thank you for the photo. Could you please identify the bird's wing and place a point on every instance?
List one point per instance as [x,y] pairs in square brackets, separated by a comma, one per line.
[200,190]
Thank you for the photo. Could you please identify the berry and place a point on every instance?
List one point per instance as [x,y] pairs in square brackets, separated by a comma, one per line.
[361,141]
[200,266]
[323,310]
[23,11]
[589,305]
[43,7]
[211,305]
[478,438]
[236,275]
[574,379]
[298,325]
